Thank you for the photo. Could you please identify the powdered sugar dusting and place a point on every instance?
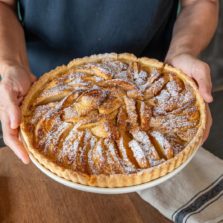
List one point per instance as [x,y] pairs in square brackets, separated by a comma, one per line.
[140,79]
[128,166]
[55,90]
[40,111]
[138,153]
[143,139]
[66,126]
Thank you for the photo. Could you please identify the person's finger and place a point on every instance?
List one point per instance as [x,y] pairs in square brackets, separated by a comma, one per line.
[19,100]
[208,124]
[201,74]
[10,106]
[33,78]
[10,137]
[15,116]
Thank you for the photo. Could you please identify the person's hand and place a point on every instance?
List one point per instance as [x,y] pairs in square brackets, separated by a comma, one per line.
[200,72]
[15,82]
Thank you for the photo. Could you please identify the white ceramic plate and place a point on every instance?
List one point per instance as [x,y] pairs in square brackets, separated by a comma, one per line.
[100,190]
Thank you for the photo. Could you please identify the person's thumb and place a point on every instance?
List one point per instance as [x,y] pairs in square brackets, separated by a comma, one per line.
[15,116]
[202,76]
[32,78]
[10,106]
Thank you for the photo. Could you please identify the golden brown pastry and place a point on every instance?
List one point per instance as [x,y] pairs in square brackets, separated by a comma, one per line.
[113,120]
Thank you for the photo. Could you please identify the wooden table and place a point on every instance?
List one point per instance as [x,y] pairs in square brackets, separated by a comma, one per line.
[28,196]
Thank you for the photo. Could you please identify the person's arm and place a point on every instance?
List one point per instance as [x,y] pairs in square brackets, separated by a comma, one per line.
[16,77]
[12,42]
[193,30]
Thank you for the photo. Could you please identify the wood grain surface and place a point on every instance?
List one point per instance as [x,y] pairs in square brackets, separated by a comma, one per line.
[27,195]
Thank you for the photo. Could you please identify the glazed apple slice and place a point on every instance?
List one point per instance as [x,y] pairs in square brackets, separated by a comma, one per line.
[162,145]
[110,105]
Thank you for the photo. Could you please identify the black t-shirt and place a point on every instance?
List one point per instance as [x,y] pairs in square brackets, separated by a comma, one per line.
[59,30]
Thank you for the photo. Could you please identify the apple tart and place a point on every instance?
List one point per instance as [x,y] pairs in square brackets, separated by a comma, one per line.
[113,120]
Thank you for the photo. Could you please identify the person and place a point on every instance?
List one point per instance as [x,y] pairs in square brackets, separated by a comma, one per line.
[36,36]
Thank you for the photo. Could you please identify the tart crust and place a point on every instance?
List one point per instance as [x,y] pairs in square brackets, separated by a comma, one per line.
[113,180]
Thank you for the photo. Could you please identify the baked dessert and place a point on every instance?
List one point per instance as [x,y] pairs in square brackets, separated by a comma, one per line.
[113,120]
